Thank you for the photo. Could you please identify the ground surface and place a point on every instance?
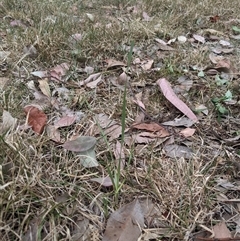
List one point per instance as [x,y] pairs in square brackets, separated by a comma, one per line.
[70,69]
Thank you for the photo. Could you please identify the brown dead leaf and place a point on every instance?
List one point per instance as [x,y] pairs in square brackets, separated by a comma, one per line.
[44,87]
[103,120]
[147,65]
[122,79]
[153,127]
[139,118]
[125,223]
[40,74]
[224,63]
[90,78]
[65,121]
[59,71]
[112,63]
[171,96]
[144,138]
[187,132]
[94,83]
[221,231]
[152,214]
[113,131]
[185,84]
[36,118]
[138,101]
[53,133]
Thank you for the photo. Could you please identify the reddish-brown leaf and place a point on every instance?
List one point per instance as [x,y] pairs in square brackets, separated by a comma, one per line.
[37,119]
[153,127]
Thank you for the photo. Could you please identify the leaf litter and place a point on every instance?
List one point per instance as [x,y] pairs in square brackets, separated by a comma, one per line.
[53,99]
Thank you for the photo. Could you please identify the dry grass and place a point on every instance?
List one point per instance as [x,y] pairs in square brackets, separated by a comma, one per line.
[44,189]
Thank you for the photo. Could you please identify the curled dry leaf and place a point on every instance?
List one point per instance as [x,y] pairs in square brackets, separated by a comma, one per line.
[90,78]
[112,63]
[36,118]
[160,41]
[94,83]
[223,63]
[215,58]
[171,96]
[138,101]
